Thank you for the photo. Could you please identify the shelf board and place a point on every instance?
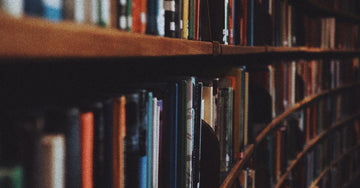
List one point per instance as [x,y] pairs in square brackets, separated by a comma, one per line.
[236,170]
[36,37]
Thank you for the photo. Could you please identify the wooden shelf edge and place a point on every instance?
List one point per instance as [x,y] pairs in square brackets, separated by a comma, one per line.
[36,37]
[236,170]
[275,122]
[310,145]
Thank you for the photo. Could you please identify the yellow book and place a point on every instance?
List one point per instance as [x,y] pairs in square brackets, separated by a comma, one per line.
[185,20]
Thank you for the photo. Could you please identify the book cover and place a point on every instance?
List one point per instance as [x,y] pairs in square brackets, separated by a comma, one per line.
[87,148]
[149,137]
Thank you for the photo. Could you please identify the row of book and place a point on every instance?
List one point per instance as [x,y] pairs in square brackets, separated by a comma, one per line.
[338,151]
[328,33]
[234,22]
[148,136]
[343,6]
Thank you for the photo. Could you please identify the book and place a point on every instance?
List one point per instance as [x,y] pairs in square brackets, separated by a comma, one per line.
[65,121]
[14,8]
[87,148]
[53,10]
[11,177]
[51,161]
[99,145]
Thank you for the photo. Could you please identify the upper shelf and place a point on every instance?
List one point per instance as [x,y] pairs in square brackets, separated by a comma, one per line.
[35,37]
[38,38]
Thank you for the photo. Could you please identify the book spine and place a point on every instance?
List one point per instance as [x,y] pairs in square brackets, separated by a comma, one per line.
[161,18]
[13,7]
[171,26]
[132,145]
[155,143]
[95,12]
[197,20]
[189,129]
[129,13]
[149,137]
[50,162]
[152,20]
[191,22]
[52,10]
[87,140]
[185,19]
[99,146]
[122,16]
[108,142]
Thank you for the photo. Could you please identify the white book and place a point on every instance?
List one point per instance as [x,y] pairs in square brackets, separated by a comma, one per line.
[51,162]
[13,7]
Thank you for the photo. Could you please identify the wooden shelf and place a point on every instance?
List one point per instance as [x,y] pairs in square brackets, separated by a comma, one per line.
[275,123]
[35,37]
[236,170]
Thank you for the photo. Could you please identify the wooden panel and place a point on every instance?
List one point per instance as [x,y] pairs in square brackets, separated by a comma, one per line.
[35,37]
[238,50]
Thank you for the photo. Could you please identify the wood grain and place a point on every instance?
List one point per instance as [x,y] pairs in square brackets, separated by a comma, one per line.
[35,37]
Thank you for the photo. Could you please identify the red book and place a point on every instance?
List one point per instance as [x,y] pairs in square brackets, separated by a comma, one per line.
[87,147]
[138,10]
[231,22]
[197,20]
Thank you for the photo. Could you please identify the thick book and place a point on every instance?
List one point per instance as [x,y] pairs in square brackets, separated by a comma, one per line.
[218,16]
[51,161]
[138,15]
[99,145]
[87,147]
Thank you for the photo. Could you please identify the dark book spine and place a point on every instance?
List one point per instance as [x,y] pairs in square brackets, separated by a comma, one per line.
[132,145]
[143,124]
[122,17]
[171,21]
[152,17]
[108,143]
[99,146]
[197,136]
[173,122]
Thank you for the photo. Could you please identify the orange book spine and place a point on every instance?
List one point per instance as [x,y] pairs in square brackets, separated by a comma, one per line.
[119,131]
[143,13]
[136,13]
[87,147]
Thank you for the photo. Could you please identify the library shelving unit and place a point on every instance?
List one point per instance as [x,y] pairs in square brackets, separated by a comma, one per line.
[44,62]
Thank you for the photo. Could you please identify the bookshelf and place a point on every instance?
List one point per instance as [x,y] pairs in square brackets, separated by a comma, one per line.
[87,61]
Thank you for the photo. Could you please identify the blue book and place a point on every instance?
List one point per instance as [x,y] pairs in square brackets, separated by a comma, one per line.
[49,9]
[149,137]
[152,15]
